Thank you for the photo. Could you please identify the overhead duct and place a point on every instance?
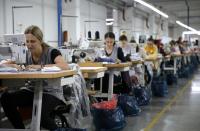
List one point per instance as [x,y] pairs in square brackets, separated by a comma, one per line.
[188,12]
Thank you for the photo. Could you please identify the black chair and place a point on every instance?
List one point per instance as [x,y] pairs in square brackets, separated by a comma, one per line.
[59,112]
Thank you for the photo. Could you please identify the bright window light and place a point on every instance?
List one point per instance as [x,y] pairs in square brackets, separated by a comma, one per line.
[195,88]
[152,8]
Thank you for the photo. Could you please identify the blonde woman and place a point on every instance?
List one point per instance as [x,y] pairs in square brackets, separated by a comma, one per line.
[39,53]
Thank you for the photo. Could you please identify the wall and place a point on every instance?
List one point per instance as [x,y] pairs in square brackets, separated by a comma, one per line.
[134,24]
[70,19]
[42,13]
[92,17]
[2,17]
[77,19]
[49,20]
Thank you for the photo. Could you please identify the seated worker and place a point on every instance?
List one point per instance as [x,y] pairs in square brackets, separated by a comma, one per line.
[161,47]
[187,47]
[39,53]
[174,48]
[196,46]
[114,52]
[136,73]
[182,46]
[151,49]
[127,49]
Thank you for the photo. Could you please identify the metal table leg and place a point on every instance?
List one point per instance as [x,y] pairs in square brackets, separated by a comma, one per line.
[37,106]
[175,66]
[110,88]
[101,84]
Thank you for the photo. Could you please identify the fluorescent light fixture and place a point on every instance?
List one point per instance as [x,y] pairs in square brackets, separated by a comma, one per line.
[110,23]
[110,19]
[183,25]
[152,8]
[188,27]
[191,32]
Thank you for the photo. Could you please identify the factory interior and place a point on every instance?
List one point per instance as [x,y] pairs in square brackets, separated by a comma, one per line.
[99,65]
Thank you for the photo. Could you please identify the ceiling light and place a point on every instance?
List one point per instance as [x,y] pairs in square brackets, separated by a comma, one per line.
[152,8]
[110,19]
[110,23]
[188,27]
[191,32]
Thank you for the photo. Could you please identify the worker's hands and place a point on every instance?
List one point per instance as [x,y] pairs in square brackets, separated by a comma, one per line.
[118,61]
[13,66]
[8,61]
[36,67]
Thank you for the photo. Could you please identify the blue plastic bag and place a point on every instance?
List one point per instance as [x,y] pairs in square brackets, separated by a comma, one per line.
[70,129]
[129,105]
[184,72]
[159,86]
[108,120]
[142,96]
[171,79]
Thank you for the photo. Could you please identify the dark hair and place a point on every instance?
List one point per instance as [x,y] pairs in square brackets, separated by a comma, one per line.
[123,37]
[172,42]
[109,35]
[196,42]
[150,39]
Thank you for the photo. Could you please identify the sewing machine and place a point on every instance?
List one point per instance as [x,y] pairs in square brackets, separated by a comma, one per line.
[13,47]
[82,55]
[67,54]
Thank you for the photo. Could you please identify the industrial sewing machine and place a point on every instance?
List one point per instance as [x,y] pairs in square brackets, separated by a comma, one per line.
[13,48]
[82,55]
[88,51]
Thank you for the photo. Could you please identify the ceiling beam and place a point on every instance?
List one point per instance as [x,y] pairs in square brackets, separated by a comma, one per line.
[190,16]
[171,1]
[180,10]
[108,3]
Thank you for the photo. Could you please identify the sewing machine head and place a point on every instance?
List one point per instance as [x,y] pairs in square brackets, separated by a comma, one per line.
[15,39]
[14,48]
[5,52]
[84,55]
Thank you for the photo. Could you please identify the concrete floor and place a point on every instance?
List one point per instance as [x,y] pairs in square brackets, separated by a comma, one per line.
[168,114]
[171,114]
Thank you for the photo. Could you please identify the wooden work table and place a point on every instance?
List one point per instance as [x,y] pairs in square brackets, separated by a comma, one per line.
[153,59]
[135,62]
[38,90]
[35,75]
[101,64]
[111,68]
[119,65]
[93,72]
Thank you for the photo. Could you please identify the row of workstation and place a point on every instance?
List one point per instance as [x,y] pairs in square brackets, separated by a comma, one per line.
[97,70]
[89,71]
[186,57]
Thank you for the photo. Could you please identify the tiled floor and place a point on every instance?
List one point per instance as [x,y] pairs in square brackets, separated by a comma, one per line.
[183,114]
